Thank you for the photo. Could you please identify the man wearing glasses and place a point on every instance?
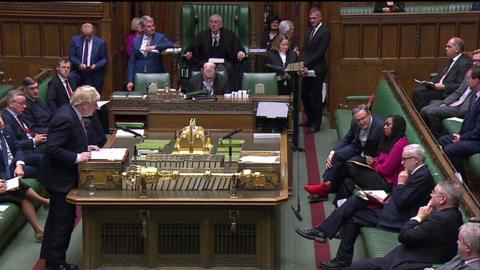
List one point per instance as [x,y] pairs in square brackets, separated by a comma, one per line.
[414,185]
[429,237]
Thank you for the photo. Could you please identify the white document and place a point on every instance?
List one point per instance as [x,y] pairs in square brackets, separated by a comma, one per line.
[259,159]
[259,136]
[272,109]
[123,134]
[12,183]
[456,119]
[257,50]
[424,82]
[310,73]
[216,60]
[173,50]
[109,154]
[4,207]
[100,103]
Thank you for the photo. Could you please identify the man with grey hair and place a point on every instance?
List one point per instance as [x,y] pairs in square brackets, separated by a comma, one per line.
[218,42]
[67,147]
[448,79]
[287,29]
[146,55]
[468,245]
[413,186]
[88,54]
[427,238]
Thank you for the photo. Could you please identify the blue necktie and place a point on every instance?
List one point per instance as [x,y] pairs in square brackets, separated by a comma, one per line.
[3,143]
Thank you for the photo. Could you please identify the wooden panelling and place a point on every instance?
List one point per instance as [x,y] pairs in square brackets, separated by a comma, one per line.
[12,39]
[445,31]
[52,39]
[428,40]
[469,33]
[371,47]
[68,31]
[389,40]
[351,36]
[32,39]
[408,35]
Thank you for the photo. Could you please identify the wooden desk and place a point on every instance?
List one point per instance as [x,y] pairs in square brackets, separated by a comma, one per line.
[183,228]
[170,115]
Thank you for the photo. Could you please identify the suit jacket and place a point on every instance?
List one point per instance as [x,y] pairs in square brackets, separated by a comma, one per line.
[455,95]
[57,94]
[17,130]
[37,115]
[406,199]
[373,139]
[399,6]
[456,263]
[432,241]
[455,75]
[152,63]
[314,50]
[276,65]
[98,56]
[66,139]
[228,47]
[219,84]
[15,149]
[470,130]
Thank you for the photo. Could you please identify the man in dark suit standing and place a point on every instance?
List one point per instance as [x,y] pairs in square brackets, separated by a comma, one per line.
[67,147]
[61,87]
[88,54]
[146,55]
[37,114]
[414,185]
[208,80]
[448,79]
[218,42]
[428,238]
[454,105]
[466,143]
[317,40]
[362,139]
[30,140]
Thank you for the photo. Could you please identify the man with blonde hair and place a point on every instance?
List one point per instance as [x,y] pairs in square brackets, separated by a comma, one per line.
[67,147]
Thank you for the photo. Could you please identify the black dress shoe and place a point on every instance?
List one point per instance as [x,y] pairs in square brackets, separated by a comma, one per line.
[314,198]
[66,267]
[333,264]
[312,234]
[313,129]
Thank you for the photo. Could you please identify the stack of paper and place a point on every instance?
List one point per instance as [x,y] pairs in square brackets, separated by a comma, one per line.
[109,154]
[124,134]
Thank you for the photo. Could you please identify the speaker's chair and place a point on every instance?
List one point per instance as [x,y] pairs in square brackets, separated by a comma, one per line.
[143,80]
[260,84]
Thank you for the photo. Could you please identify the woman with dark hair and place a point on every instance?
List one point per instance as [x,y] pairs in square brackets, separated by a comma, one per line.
[271,32]
[382,171]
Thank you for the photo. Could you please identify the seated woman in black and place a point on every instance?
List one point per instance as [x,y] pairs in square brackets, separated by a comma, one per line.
[271,32]
[277,60]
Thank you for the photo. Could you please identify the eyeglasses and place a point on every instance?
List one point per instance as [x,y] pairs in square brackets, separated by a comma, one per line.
[407,158]
[436,194]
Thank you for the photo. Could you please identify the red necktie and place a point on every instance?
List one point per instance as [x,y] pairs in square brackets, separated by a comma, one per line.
[69,89]
[24,126]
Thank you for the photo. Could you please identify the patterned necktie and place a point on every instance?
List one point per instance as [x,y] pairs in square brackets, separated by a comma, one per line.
[3,144]
[215,41]
[85,52]
[24,126]
[69,89]
[312,33]
[445,70]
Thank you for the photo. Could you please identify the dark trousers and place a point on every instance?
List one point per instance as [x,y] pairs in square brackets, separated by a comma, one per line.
[370,264]
[456,152]
[58,229]
[352,215]
[421,97]
[312,100]
[341,156]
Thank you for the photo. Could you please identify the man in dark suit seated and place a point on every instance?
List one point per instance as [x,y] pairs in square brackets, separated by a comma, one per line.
[454,105]
[362,139]
[67,147]
[88,54]
[209,81]
[218,42]
[61,89]
[414,185]
[466,143]
[30,140]
[448,79]
[146,56]
[428,238]
[37,114]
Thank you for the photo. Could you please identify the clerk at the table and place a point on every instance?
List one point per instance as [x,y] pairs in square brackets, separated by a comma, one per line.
[208,80]
[67,147]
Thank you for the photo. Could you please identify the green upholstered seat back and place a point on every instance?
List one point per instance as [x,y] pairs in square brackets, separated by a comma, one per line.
[195,18]
[269,81]
[42,89]
[143,80]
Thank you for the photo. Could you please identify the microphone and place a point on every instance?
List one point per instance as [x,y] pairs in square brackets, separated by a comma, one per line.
[136,134]
[229,135]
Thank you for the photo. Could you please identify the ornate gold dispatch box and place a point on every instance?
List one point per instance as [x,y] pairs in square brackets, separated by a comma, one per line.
[104,169]
[265,162]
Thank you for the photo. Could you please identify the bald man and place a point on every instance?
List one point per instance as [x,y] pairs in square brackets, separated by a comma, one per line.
[209,80]
[88,54]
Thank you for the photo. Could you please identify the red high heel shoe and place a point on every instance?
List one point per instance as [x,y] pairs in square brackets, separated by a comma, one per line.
[321,189]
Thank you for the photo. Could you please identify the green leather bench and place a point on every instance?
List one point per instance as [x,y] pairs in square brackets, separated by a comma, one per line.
[12,219]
